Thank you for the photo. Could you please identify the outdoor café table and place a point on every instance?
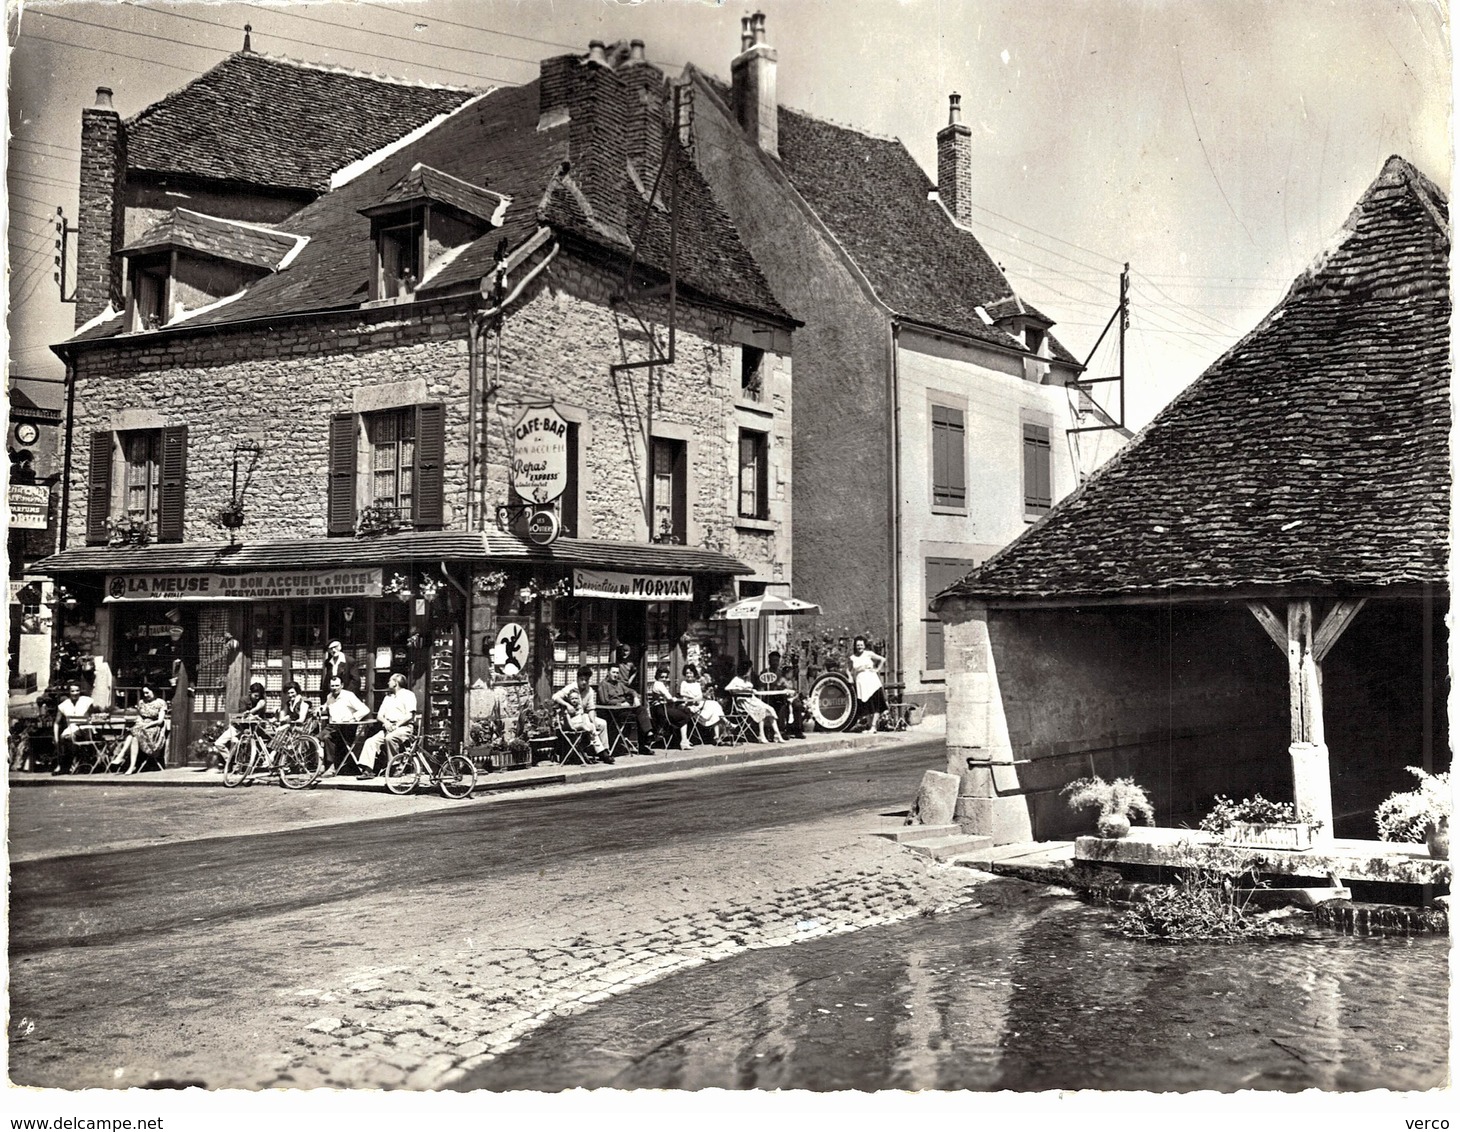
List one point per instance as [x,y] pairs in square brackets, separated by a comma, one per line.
[616,715]
[97,736]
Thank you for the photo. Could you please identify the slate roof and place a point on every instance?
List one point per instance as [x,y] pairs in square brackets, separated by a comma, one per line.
[492,141]
[424,183]
[223,239]
[406,547]
[1313,455]
[873,197]
[274,122]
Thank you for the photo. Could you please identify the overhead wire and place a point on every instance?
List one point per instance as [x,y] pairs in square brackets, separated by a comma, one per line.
[131,57]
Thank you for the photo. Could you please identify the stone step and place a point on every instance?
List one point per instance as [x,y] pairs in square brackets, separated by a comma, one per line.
[946,847]
[904,833]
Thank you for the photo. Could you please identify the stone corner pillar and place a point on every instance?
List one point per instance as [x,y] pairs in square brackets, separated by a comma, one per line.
[991,802]
[1312,789]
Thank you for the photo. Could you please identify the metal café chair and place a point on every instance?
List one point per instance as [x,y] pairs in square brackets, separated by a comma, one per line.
[739,727]
[573,745]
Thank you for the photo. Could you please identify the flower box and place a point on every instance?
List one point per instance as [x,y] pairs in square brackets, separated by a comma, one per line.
[1269,835]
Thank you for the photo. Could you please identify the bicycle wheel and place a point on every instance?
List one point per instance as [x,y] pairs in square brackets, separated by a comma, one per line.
[300,762]
[240,763]
[457,777]
[402,773]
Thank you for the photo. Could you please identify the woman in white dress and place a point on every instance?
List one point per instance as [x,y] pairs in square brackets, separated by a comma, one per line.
[753,706]
[866,669]
[708,714]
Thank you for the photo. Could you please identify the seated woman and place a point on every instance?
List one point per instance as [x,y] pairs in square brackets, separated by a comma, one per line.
[755,707]
[664,705]
[145,738]
[578,704]
[706,713]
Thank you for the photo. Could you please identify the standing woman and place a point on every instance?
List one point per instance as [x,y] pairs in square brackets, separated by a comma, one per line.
[866,669]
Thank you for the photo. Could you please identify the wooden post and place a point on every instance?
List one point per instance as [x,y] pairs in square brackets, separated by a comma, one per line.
[1306,647]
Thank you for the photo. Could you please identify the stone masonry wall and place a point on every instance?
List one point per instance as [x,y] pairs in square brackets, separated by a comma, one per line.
[280,385]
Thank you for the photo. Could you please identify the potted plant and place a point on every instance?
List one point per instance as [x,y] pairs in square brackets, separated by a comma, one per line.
[1419,815]
[1116,802]
[536,724]
[1257,823]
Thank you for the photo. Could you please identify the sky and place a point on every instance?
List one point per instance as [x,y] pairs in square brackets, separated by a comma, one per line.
[1215,147]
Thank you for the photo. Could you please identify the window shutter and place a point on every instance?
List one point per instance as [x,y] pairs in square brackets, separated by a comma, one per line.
[763,478]
[681,492]
[341,505]
[956,457]
[174,462]
[430,456]
[99,487]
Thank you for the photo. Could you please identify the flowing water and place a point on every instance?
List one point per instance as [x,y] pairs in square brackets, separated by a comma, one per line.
[1026,991]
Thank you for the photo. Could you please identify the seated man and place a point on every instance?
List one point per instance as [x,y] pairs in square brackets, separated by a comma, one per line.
[578,703]
[258,708]
[616,690]
[70,725]
[397,716]
[790,710]
[343,711]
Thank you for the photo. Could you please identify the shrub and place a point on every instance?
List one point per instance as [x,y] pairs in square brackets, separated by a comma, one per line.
[1408,816]
[1255,810]
[1201,906]
[1121,797]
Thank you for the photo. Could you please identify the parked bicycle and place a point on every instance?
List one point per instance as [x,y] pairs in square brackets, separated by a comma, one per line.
[287,750]
[454,775]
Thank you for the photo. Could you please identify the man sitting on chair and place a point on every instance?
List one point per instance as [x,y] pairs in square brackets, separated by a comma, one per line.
[396,714]
[789,709]
[616,690]
[343,710]
[577,701]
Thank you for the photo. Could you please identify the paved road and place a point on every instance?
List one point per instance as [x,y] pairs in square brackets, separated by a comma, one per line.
[403,952]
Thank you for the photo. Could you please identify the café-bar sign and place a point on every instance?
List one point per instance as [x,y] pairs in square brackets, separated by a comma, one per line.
[268,585]
[540,455]
[633,587]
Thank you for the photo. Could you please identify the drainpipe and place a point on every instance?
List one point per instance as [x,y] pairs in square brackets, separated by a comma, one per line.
[895,502]
[66,459]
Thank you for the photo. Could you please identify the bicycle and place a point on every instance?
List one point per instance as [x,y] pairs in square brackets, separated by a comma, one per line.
[290,752]
[454,775]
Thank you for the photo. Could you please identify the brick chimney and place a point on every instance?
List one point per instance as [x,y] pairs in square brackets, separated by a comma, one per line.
[955,164]
[644,127]
[101,212]
[753,83]
[587,95]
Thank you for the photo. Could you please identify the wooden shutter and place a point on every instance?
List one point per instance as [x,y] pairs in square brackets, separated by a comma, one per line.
[341,505]
[1036,468]
[99,487]
[568,504]
[763,477]
[940,573]
[681,493]
[174,467]
[430,456]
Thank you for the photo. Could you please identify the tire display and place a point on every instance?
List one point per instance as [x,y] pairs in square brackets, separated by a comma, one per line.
[831,702]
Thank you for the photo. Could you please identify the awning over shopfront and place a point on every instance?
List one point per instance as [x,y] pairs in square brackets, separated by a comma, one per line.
[413,546]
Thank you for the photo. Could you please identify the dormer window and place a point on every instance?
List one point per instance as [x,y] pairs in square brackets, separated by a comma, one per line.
[421,224]
[1033,338]
[150,284]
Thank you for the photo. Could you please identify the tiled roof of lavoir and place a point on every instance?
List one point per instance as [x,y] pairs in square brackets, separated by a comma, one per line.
[265,121]
[1314,454]
[222,239]
[873,198]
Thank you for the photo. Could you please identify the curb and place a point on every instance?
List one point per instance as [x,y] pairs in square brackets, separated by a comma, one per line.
[498,782]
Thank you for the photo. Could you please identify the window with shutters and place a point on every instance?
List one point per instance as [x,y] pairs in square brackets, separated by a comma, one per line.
[754,475]
[385,470]
[1037,491]
[667,489]
[949,476]
[137,478]
[939,574]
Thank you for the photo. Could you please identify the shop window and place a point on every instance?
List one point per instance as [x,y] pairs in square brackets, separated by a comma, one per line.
[139,476]
[1037,493]
[385,470]
[755,463]
[949,481]
[752,373]
[667,492]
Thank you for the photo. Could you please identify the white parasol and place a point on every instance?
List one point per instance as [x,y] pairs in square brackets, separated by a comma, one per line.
[753,608]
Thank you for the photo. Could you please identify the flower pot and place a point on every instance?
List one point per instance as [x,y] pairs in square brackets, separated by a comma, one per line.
[1437,837]
[1112,825]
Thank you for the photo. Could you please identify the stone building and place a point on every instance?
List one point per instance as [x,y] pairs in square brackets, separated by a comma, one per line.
[933,405]
[1296,495]
[302,401]
[32,444]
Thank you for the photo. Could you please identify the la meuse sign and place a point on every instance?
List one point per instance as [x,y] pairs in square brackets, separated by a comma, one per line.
[283,584]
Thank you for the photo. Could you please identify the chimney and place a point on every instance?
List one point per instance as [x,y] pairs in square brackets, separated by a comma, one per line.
[644,126]
[753,83]
[101,211]
[955,164]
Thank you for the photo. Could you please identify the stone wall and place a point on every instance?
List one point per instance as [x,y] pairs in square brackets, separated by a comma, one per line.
[280,384]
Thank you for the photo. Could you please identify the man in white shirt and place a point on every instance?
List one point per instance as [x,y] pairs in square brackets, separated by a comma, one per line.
[343,710]
[70,714]
[396,714]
